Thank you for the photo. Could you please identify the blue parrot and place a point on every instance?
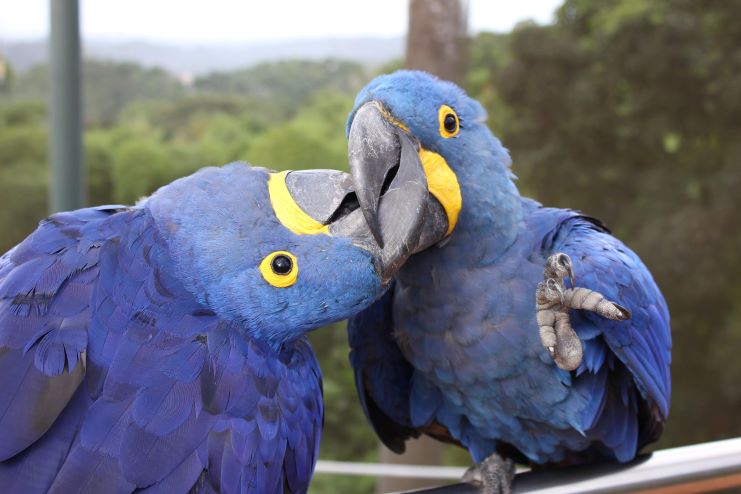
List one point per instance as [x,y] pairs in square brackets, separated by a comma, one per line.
[161,347]
[525,333]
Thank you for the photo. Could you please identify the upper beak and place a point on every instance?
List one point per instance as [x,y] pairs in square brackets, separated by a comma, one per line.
[379,153]
[329,198]
[386,166]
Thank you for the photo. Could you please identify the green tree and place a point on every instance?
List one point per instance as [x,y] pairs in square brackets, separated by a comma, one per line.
[629,111]
[315,138]
[23,170]
[107,87]
[289,84]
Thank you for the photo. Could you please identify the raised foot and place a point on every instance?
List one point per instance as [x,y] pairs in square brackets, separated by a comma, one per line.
[494,475]
[552,303]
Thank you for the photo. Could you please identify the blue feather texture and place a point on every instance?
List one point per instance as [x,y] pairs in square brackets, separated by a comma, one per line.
[459,329]
[124,367]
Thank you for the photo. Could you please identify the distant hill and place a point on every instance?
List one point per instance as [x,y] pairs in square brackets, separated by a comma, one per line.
[202,59]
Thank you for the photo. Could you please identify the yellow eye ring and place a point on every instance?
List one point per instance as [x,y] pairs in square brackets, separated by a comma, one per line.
[280,269]
[449,123]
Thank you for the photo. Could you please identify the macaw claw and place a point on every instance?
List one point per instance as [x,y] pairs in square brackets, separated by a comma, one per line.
[494,475]
[552,303]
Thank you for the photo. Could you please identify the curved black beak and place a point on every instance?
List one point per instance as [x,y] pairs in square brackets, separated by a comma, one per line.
[375,146]
[329,198]
[390,182]
[385,164]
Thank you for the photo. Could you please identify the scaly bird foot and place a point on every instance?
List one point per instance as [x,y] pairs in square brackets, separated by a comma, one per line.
[552,303]
[494,475]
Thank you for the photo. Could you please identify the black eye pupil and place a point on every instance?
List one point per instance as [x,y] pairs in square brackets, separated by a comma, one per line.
[281,264]
[450,123]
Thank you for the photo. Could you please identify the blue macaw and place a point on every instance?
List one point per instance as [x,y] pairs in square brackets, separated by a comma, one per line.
[527,333]
[161,347]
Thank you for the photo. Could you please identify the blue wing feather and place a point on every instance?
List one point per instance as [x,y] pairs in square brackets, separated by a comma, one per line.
[643,342]
[45,286]
[91,297]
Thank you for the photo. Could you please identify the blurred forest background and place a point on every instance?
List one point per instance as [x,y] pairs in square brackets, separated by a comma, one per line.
[627,110]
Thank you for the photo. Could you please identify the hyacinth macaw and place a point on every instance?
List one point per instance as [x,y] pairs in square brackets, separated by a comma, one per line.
[161,347]
[527,333]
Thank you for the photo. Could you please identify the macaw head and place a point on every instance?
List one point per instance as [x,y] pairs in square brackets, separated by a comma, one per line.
[280,252]
[452,149]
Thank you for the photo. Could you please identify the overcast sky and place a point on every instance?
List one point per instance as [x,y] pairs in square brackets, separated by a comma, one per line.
[252,20]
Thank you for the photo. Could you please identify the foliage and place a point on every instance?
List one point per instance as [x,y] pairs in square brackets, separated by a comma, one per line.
[629,110]
[108,87]
[489,54]
[23,170]
[287,84]
[346,440]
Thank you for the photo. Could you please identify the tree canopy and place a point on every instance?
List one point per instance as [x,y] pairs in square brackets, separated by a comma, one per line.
[629,111]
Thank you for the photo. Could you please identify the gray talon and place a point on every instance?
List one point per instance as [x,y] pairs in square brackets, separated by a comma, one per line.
[559,266]
[494,475]
[624,314]
[552,303]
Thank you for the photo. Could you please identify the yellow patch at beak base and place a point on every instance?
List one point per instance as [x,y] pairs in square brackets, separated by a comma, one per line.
[443,184]
[441,179]
[287,211]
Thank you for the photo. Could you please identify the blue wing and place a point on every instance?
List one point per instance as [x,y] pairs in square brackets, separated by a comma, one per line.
[641,344]
[157,392]
[45,289]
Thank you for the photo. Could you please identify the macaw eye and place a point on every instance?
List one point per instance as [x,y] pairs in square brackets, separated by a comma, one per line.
[281,264]
[449,123]
[280,269]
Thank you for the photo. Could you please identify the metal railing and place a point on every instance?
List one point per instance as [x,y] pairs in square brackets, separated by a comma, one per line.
[698,468]
[390,470]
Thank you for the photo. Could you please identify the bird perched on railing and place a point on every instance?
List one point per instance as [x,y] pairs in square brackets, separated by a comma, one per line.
[527,333]
[161,347]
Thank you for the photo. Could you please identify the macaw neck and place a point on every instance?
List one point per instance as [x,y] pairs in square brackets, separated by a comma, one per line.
[490,214]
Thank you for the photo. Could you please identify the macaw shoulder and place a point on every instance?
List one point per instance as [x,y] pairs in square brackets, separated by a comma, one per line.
[47,279]
[548,227]
[601,261]
[46,283]
[68,237]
